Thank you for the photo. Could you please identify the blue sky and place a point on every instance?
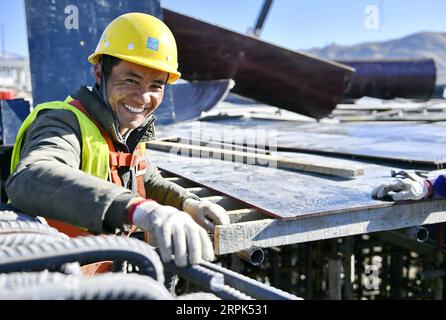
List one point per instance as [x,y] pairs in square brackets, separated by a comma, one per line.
[295,24]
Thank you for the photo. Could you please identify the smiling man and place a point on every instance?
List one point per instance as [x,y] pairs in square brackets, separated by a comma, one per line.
[131,106]
[83,161]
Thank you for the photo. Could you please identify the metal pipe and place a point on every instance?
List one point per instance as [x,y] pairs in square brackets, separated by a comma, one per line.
[248,286]
[211,280]
[262,17]
[387,79]
[420,233]
[255,256]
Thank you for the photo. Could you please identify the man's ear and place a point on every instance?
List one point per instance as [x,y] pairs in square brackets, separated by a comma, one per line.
[98,72]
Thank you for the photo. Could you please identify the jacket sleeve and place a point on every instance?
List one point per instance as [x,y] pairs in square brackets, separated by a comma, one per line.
[439,185]
[48,181]
[163,191]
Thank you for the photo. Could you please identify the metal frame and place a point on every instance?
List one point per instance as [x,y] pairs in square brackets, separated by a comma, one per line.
[272,232]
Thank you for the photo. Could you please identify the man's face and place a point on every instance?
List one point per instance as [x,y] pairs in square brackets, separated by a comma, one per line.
[134,92]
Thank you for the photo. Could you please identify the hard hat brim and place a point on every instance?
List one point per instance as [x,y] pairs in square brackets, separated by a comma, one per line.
[173,74]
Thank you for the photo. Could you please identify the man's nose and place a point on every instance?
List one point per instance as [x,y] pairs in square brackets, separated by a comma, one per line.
[148,97]
[144,98]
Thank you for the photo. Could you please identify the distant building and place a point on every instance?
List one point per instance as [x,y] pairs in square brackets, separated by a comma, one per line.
[15,74]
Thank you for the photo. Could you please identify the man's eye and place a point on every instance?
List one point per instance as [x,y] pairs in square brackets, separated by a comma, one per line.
[157,86]
[131,81]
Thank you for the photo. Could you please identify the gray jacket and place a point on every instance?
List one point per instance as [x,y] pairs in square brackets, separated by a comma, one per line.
[48,181]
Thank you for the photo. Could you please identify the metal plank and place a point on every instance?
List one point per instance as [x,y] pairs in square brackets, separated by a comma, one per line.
[242,215]
[225,202]
[424,117]
[213,145]
[417,144]
[277,193]
[400,104]
[270,232]
[199,191]
[226,154]
[295,81]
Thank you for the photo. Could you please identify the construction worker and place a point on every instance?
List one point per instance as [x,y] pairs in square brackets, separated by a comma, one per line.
[83,161]
[411,187]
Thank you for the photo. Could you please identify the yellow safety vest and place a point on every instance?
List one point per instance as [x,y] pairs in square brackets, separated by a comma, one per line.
[95,151]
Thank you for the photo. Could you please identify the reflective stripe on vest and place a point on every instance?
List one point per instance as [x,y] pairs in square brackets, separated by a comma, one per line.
[136,162]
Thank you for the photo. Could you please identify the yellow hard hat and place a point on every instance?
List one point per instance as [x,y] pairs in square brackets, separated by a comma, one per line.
[142,39]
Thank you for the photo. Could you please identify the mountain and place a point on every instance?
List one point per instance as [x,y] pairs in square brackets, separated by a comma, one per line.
[419,45]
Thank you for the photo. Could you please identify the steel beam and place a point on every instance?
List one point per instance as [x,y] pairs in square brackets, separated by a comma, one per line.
[272,232]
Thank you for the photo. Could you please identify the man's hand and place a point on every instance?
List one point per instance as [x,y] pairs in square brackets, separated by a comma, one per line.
[403,189]
[175,232]
[206,213]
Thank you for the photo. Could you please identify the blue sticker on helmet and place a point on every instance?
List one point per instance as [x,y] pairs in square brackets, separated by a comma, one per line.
[153,43]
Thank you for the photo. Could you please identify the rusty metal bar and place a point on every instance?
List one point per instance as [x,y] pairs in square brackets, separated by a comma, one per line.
[294,81]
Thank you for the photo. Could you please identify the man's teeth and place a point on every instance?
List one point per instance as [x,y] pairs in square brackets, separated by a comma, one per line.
[134,110]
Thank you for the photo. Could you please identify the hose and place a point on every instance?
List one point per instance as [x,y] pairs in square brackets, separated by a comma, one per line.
[20,239]
[50,286]
[10,226]
[10,213]
[37,257]
[14,233]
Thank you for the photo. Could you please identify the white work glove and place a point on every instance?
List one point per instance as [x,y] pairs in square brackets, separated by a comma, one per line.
[175,233]
[206,213]
[403,189]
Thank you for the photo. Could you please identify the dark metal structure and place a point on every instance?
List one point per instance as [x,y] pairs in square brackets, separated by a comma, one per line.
[12,115]
[388,79]
[186,101]
[262,71]
[62,34]
[323,261]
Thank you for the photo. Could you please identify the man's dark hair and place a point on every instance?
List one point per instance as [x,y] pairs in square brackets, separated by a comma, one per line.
[108,62]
